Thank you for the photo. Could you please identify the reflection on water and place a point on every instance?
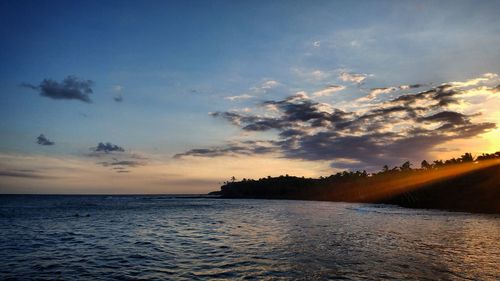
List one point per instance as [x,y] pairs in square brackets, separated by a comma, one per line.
[148,237]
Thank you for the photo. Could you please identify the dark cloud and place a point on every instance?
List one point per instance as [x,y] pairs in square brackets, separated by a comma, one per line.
[415,86]
[122,166]
[128,163]
[42,140]
[243,148]
[27,174]
[115,157]
[448,117]
[71,88]
[390,132]
[107,148]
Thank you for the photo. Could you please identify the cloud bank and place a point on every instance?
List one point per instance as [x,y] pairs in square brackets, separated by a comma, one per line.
[408,126]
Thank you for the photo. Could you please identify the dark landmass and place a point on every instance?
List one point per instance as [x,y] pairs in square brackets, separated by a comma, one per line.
[459,184]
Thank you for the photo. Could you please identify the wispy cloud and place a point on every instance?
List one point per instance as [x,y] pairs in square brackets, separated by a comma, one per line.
[27,174]
[328,90]
[71,88]
[240,97]
[375,92]
[352,77]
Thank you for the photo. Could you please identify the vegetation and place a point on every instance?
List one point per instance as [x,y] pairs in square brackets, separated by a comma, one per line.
[462,184]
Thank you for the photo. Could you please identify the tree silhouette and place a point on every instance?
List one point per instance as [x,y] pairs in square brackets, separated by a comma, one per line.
[425,165]
[322,188]
[406,166]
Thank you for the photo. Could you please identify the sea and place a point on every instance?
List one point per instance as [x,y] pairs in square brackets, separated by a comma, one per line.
[195,238]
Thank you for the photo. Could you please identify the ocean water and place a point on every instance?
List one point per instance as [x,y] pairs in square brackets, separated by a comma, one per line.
[169,238]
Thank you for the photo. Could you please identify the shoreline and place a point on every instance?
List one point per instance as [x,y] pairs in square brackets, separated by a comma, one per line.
[472,188]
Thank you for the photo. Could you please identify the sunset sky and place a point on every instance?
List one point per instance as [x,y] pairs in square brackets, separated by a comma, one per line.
[177,97]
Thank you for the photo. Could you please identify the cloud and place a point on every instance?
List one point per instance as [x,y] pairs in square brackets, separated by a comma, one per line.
[117,88]
[121,166]
[448,117]
[407,127]
[475,81]
[71,88]
[27,174]
[261,88]
[42,140]
[115,157]
[107,148]
[240,97]
[235,148]
[357,78]
[269,84]
[328,90]
[355,44]
[118,93]
[264,86]
[375,92]
[128,163]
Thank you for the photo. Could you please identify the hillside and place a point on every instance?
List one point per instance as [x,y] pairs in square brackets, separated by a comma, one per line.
[459,185]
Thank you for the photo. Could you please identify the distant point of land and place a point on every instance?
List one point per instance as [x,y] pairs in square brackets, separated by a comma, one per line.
[459,184]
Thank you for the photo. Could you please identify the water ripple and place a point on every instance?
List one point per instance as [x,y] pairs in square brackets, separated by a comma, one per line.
[167,238]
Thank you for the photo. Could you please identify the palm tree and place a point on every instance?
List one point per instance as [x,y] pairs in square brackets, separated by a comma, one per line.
[425,165]
[406,166]
[467,157]
[385,168]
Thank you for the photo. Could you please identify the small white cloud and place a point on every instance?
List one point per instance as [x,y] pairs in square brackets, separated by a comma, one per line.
[269,84]
[475,81]
[317,44]
[264,86]
[357,78]
[355,44]
[375,92]
[117,88]
[490,75]
[240,97]
[328,90]
[379,91]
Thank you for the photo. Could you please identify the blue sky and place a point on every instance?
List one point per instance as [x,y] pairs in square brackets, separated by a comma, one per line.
[174,62]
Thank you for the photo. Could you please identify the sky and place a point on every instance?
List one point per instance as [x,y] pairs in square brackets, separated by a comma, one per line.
[126,97]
